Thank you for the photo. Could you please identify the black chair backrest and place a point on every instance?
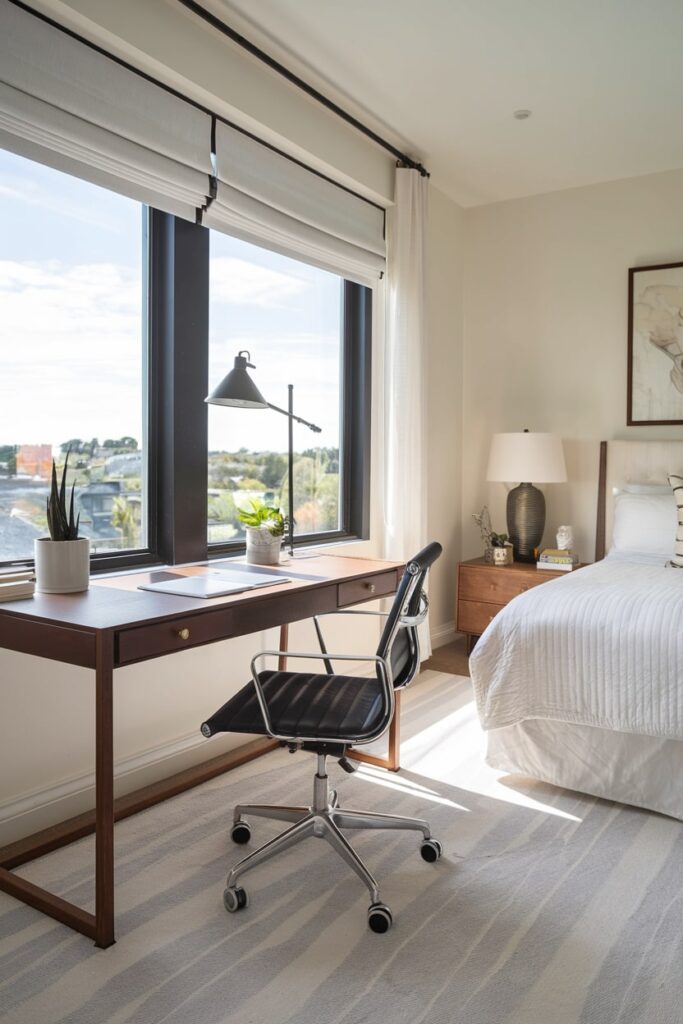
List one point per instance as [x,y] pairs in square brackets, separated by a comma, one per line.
[399,641]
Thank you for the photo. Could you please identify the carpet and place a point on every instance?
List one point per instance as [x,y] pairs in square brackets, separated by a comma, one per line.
[548,907]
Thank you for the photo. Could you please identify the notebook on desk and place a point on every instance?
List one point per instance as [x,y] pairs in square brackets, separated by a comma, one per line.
[214,584]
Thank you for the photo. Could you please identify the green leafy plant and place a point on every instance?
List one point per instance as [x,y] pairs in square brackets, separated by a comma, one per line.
[263,516]
[61,525]
[499,540]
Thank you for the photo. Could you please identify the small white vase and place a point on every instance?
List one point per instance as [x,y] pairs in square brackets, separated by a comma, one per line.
[262,547]
[62,566]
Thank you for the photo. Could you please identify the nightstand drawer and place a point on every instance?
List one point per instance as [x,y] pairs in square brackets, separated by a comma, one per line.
[474,616]
[497,585]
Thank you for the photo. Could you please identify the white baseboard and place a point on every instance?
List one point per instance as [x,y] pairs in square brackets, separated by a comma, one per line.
[40,808]
[443,635]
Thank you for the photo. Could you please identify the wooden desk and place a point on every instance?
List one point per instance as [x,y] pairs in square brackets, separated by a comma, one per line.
[115,624]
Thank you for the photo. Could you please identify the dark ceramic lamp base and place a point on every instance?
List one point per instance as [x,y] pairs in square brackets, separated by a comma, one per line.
[526,521]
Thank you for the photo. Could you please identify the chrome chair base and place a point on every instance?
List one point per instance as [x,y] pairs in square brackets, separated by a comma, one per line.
[323,820]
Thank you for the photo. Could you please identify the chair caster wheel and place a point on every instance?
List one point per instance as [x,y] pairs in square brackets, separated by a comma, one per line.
[430,850]
[379,918]
[235,899]
[240,832]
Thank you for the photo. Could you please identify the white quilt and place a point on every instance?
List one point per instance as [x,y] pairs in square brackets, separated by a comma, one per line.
[602,646]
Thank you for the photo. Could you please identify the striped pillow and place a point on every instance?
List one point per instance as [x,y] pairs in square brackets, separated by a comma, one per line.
[677,485]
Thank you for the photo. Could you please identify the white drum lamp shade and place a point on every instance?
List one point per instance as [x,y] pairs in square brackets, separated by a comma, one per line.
[525,457]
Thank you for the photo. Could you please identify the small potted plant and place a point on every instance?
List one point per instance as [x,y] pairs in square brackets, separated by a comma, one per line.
[62,560]
[502,548]
[265,528]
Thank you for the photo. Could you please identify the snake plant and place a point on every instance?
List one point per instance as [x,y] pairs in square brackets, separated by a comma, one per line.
[61,525]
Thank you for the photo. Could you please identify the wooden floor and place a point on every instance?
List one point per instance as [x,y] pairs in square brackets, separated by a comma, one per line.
[450,658]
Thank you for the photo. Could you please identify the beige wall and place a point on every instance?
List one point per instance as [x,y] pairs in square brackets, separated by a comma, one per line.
[46,726]
[545,331]
[445,253]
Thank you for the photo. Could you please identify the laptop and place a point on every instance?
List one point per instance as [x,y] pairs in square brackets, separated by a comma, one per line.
[215,584]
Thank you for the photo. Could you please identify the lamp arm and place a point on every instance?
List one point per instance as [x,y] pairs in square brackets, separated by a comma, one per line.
[298,419]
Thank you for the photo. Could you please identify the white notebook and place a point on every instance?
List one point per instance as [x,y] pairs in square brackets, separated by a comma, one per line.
[218,584]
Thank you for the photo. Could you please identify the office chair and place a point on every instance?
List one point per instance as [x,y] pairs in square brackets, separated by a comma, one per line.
[327,714]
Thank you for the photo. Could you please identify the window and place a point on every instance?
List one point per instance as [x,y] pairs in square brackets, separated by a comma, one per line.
[72,316]
[289,316]
[115,322]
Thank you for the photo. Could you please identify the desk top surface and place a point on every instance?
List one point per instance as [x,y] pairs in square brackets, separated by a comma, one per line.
[113,602]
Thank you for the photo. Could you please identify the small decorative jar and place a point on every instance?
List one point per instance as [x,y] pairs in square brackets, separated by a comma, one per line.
[502,555]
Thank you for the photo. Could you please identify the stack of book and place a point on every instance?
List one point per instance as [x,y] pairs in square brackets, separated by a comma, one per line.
[557,560]
[16,586]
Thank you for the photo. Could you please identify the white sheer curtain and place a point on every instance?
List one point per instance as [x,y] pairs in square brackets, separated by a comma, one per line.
[405,492]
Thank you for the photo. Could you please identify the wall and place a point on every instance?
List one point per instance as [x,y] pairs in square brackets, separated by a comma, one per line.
[545,332]
[445,257]
[46,729]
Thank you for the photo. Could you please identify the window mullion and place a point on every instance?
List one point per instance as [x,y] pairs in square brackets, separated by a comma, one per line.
[180,360]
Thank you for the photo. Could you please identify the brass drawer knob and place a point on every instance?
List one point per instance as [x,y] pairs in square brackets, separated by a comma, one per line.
[371,587]
[184,633]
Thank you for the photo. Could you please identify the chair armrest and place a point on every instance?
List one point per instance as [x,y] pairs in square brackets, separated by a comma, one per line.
[351,611]
[339,611]
[384,673]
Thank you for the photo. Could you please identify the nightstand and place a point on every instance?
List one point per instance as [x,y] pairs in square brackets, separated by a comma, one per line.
[484,589]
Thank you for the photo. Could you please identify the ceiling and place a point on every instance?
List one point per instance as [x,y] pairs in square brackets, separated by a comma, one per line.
[442,78]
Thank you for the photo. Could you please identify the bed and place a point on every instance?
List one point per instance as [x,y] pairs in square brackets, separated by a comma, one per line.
[580,682]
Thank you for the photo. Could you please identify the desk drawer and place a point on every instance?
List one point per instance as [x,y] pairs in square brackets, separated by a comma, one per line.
[166,637]
[474,616]
[366,588]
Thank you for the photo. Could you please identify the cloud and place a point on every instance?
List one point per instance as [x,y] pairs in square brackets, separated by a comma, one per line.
[71,337]
[31,193]
[237,282]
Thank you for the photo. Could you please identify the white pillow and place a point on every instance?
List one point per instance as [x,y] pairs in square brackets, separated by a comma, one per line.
[644,524]
[641,489]
[677,486]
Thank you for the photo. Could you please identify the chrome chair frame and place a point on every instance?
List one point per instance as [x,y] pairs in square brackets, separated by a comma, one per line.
[324,818]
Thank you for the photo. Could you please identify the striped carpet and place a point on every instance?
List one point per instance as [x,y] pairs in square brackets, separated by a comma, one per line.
[547,908]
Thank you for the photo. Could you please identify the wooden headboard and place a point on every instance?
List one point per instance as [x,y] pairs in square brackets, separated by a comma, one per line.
[630,462]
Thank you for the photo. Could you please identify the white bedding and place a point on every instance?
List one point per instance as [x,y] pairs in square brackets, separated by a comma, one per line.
[601,647]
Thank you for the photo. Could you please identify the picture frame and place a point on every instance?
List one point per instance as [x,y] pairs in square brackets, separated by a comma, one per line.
[655,345]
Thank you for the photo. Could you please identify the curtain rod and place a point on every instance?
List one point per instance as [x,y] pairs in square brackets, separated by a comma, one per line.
[275,65]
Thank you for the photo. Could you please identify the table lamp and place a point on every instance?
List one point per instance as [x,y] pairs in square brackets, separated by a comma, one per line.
[238,389]
[526,456]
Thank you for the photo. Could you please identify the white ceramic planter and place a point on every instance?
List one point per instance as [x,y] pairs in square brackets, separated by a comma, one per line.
[262,547]
[62,566]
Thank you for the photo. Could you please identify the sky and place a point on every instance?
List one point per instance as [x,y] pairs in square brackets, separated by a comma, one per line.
[71,321]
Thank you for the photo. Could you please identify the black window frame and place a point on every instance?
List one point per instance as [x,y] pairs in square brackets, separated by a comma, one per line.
[176,338]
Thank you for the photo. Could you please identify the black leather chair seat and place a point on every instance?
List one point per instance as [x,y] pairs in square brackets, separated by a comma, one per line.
[303,704]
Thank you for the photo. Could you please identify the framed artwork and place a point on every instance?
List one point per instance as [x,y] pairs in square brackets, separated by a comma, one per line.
[655,345]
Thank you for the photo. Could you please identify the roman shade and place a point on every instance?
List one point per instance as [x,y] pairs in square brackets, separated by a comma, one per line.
[67,105]
[267,198]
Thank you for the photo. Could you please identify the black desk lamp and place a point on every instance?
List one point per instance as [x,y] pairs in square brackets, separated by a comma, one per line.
[239,390]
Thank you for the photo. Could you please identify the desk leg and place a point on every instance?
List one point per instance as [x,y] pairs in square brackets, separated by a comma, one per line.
[393,759]
[104,791]
[284,642]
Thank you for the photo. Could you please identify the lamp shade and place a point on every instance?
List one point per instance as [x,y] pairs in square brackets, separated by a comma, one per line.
[238,388]
[527,457]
